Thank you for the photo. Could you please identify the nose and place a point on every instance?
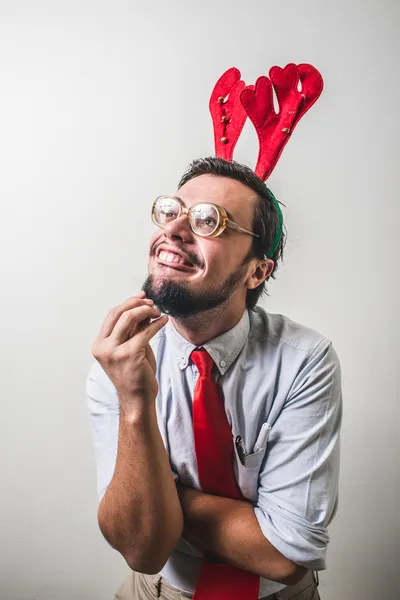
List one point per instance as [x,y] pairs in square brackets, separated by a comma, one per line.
[179,229]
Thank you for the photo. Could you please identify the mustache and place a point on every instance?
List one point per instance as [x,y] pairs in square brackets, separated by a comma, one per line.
[190,256]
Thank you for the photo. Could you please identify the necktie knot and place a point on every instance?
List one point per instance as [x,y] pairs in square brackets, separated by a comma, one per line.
[203,362]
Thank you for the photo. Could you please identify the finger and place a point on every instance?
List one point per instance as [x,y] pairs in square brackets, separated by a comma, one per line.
[143,337]
[149,354]
[115,313]
[137,327]
[125,326]
[151,359]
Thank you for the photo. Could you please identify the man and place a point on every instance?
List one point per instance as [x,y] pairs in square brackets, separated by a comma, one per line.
[279,382]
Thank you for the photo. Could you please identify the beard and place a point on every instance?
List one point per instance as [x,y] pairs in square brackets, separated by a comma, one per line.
[179,301]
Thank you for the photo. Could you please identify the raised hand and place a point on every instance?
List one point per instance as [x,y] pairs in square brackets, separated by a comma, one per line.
[122,348]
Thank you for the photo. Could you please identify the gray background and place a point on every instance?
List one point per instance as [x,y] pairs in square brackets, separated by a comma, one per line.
[103,105]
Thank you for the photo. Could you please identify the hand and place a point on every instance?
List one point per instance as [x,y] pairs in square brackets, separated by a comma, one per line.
[122,349]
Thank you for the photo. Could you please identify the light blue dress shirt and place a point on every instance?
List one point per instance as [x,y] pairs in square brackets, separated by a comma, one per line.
[281,384]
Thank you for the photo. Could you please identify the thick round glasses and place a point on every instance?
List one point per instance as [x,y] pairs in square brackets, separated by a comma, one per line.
[206,219]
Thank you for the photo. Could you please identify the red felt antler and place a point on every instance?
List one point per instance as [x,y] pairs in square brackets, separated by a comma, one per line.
[227,112]
[274,129]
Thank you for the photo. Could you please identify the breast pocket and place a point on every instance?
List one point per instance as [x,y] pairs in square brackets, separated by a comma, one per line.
[247,466]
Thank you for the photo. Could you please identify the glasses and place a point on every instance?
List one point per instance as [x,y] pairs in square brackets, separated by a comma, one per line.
[205,219]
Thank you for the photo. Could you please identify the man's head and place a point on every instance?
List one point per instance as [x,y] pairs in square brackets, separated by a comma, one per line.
[230,268]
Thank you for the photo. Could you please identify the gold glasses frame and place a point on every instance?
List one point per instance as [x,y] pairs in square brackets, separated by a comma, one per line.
[224,220]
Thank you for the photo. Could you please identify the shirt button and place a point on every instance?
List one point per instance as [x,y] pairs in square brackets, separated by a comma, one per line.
[222,363]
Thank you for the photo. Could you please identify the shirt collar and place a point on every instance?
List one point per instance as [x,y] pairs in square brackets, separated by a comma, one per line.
[223,349]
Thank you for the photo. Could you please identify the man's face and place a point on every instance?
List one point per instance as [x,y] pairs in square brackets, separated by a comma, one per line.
[214,269]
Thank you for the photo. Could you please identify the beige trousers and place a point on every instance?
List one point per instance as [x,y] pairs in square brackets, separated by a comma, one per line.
[138,586]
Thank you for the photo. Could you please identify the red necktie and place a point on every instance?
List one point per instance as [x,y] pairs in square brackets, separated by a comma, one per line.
[214,453]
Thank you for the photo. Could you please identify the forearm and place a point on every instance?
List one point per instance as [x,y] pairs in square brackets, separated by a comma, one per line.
[140,514]
[228,530]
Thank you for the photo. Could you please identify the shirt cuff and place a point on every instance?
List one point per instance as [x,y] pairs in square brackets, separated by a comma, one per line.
[294,537]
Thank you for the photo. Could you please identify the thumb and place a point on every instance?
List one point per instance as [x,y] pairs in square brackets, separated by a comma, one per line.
[149,354]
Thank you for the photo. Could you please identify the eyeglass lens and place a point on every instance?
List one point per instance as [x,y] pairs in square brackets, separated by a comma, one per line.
[204,218]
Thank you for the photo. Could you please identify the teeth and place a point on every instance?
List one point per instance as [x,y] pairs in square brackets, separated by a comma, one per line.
[170,257]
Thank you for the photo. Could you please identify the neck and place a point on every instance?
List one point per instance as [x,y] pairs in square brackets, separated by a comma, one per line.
[209,324]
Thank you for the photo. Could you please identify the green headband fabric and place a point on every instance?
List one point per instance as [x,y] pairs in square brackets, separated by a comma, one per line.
[278,234]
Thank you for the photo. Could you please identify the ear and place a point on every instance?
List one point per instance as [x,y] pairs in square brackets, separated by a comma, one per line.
[262,269]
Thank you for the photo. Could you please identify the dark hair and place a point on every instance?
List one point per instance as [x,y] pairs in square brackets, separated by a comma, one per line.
[266,220]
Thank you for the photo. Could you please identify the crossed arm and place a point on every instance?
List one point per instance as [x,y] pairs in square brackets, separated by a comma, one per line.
[143,514]
[228,530]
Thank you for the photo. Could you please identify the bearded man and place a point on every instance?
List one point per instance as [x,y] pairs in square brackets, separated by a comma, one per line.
[216,424]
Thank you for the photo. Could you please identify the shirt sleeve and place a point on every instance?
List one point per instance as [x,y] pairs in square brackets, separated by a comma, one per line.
[298,481]
[103,404]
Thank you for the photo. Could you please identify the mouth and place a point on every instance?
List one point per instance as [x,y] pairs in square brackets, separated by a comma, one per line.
[173,260]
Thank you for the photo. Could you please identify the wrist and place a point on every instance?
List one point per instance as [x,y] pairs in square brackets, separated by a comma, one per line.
[136,409]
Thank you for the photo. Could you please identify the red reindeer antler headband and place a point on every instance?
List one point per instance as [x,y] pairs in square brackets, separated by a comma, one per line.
[232,102]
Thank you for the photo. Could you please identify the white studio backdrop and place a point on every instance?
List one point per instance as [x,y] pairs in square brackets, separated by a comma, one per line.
[103,105]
